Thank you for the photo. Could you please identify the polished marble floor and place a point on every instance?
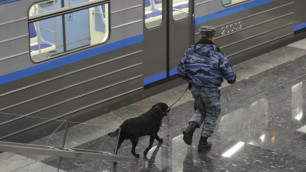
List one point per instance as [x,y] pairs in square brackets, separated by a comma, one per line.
[262,127]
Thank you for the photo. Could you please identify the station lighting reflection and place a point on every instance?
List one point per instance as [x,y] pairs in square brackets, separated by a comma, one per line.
[297,101]
[233,149]
[262,137]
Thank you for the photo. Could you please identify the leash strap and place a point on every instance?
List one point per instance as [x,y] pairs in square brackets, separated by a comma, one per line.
[179,98]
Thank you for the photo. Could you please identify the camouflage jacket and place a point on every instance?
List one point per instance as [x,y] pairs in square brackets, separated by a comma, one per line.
[204,65]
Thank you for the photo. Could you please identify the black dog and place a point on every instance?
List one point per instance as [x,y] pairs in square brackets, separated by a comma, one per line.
[145,124]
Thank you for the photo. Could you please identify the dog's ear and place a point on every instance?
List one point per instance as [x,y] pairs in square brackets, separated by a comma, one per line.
[161,109]
[157,109]
[157,112]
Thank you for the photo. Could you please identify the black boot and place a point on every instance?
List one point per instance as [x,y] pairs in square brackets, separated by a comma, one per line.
[188,132]
[204,145]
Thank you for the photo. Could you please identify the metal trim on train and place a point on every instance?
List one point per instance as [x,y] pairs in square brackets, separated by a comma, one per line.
[230,10]
[70,59]
[129,41]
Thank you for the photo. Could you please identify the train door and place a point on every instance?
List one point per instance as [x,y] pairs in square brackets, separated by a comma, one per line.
[168,32]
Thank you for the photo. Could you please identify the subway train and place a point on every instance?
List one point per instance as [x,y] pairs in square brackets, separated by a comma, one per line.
[77,59]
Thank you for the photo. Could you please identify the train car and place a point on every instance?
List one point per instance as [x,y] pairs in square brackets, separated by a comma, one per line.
[77,59]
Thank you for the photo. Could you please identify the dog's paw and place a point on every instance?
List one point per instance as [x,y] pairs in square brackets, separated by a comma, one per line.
[160,140]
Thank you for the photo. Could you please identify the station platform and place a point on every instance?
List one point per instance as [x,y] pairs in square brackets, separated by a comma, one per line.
[262,126]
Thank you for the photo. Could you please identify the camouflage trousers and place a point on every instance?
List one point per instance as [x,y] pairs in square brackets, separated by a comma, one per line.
[207,109]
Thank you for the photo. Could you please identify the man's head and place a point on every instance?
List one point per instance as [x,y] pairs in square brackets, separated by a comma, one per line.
[207,32]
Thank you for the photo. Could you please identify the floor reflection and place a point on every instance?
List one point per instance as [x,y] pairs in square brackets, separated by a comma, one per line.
[150,163]
[263,133]
[195,161]
[262,129]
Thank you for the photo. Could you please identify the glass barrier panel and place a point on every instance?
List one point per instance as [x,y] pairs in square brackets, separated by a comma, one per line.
[90,137]
[59,135]
[34,132]
[40,164]
[56,140]
[23,162]
[28,129]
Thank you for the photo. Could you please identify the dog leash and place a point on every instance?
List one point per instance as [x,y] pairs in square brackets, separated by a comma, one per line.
[179,98]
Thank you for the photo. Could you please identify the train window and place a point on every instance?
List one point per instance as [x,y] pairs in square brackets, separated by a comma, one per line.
[53,35]
[153,13]
[50,5]
[180,9]
[227,3]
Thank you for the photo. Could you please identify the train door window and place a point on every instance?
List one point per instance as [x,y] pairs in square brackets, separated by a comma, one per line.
[153,13]
[180,9]
[73,29]
[228,3]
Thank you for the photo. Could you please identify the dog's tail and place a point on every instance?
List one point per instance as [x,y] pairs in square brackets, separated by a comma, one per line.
[115,133]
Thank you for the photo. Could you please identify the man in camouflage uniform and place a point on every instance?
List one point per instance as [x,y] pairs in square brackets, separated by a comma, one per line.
[204,66]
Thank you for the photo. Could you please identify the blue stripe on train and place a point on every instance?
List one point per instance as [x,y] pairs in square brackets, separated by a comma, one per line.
[173,72]
[299,26]
[231,10]
[7,1]
[70,59]
[160,76]
[154,78]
